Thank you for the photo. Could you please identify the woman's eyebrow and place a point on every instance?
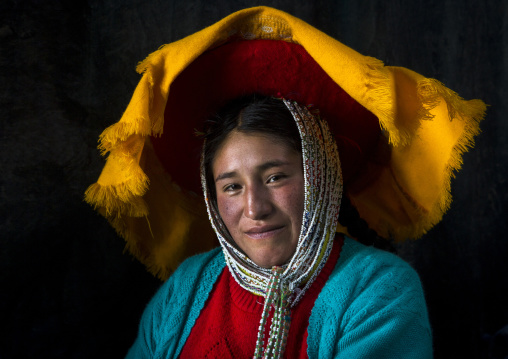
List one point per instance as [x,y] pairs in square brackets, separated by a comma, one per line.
[270,164]
[225,175]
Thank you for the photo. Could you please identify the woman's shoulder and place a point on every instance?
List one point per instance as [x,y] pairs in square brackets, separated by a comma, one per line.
[177,303]
[195,264]
[190,276]
[368,274]
[360,261]
[371,306]
[194,277]
[365,273]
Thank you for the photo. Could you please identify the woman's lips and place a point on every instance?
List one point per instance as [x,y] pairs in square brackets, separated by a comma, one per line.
[264,232]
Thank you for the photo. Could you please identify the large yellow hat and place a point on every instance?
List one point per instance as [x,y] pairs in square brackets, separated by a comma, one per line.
[400,135]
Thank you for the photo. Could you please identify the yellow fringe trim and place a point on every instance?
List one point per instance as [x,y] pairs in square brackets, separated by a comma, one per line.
[380,98]
[145,64]
[120,132]
[123,198]
[107,200]
[430,93]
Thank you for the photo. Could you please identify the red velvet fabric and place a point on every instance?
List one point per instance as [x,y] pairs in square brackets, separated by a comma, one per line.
[268,67]
[227,326]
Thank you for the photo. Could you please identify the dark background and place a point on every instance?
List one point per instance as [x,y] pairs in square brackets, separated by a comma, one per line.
[67,290]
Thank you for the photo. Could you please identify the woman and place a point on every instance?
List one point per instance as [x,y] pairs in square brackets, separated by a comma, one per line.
[330,297]
[371,303]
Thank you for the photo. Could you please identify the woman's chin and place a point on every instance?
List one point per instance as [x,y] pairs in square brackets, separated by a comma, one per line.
[269,260]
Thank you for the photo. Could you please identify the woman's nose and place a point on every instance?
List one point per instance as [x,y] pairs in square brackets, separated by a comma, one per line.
[257,203]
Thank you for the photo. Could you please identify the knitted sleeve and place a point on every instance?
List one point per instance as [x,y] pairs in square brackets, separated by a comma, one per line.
[372,307]
[172,312]
[150,326]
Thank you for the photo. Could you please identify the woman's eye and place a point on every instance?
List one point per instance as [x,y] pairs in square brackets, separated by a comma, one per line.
[275,178]
[231,188]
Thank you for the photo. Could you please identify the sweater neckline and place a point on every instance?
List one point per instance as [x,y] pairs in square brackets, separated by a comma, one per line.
[252,303]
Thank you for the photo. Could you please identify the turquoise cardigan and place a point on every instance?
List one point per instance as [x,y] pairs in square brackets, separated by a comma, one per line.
[372,306]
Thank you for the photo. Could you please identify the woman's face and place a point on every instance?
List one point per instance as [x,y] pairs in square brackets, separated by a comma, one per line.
[260,196]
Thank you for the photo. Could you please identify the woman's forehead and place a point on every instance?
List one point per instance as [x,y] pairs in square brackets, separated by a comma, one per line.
[253,150]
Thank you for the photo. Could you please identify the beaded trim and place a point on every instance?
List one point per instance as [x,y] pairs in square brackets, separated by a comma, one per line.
[283,286]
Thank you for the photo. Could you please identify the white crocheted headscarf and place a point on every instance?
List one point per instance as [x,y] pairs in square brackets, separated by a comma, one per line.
[283,286]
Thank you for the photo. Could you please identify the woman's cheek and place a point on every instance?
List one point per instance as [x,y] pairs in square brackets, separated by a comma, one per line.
[293,198]
[228,211]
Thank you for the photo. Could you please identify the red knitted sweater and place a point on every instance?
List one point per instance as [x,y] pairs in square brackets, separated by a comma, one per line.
[227,327]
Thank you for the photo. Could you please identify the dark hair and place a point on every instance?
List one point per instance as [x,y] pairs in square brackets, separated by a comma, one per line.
[256,114]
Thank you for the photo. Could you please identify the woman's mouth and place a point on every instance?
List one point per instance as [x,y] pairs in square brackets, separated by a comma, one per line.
[263,232]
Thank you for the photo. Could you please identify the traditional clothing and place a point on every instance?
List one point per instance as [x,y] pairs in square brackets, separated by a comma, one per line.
[372,306]
[399,135]
[283,286]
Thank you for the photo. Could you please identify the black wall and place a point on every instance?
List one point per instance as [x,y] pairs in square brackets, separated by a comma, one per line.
[67,290]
